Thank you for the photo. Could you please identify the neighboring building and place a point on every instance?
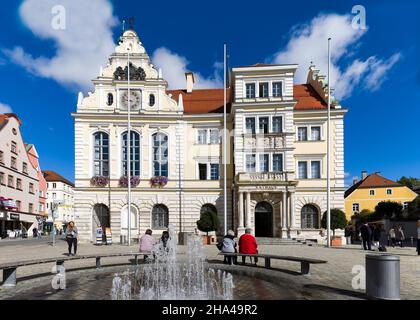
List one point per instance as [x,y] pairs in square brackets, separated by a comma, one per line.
[19,181]
[59,189]
[277,154]
[416,189]
[34,159]
[372,189]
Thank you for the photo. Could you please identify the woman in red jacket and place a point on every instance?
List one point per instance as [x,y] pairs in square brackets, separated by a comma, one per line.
[248,245]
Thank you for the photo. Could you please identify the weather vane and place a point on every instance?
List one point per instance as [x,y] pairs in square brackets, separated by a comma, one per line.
[123,25]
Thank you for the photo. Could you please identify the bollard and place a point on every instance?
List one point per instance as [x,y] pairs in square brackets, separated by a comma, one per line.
[383,276]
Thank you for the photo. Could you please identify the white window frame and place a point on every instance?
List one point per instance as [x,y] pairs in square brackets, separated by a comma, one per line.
[255,83]
[358,207]
[372,192]
[257,161]
[272,87]
[270,82]
[389,190]
[308,161]
[309,132]
[208,169]
[208,138]
[270,122]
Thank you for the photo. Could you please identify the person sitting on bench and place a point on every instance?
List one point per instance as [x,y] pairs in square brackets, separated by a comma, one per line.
[248,245]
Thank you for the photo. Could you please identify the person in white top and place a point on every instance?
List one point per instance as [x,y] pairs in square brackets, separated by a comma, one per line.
[418,237]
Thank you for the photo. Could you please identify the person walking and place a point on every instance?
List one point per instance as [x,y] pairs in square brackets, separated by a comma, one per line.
[400,235]
[228,245]
[392,236]
[72,235]
[147,242]
[164,238]
[376,235]
[366,234]
[418,237]
[248,245]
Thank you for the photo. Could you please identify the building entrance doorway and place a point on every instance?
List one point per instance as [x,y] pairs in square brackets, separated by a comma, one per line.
[263,220]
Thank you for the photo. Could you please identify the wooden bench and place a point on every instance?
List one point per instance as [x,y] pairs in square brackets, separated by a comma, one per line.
[304,262]
[10,269]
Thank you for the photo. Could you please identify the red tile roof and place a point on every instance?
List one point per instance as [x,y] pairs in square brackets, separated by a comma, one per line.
[373,180]
[52,176]
[4,118]
[202,100]
[307,98]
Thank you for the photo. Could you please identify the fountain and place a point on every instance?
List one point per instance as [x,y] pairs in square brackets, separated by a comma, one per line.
[168,277]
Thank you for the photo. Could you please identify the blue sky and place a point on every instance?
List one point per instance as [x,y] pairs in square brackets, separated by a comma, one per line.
[376,70]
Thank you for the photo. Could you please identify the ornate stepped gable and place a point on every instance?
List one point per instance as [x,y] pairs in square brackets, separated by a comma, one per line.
[136,74]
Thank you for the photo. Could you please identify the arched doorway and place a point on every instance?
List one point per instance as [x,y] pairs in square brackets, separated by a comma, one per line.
[133,222]
[101,218]
[263,219]
[309,217]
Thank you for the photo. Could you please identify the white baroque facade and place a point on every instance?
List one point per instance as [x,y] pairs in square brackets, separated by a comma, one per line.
[276,172]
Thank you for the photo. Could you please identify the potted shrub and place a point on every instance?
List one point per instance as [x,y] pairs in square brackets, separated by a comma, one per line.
[135,180]
[159,181]
[338,221]
[208,222]
[99,181]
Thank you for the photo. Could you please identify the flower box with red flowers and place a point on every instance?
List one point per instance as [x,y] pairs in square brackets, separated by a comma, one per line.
[99,181]
[135,180]
[159,181]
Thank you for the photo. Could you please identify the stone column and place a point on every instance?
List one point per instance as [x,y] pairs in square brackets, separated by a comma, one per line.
[292,210]
[241,210]
[248,210]
[284,211]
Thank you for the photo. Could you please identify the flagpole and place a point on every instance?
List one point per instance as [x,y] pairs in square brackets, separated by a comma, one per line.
[328,149]
[128,151]
[224,142]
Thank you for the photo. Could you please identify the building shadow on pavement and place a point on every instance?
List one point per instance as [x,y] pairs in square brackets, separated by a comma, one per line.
[338,291]
[257,267]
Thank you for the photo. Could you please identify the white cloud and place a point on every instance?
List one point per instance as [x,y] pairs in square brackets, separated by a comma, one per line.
[4,108]
[84,44]
[174,67]
[308,42]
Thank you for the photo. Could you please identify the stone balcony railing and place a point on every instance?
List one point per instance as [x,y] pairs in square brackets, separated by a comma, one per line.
[269,177]
[264,141]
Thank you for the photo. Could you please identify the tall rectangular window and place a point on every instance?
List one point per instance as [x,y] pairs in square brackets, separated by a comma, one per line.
[214,171]
[13,147]
[302,170]
[19,184]
[31,188]
[13,163]
[315,169]
[250,125]
[202,169]
[277,89]
[264,164]
[263,90]
[1,157]
[250,162]
[277,162]
[25,167]
[54,185]
[315,133]
[54,195]
[10,182]
[388,191]
[214,136]
[250,90]
[277,124]
[1,177]
[160,154]
[263,124]
[302,134]
[101,154]
[31,208]
[202,136]
[19,205]
[355,207]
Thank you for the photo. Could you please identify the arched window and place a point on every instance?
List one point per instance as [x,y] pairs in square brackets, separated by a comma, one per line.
[110,100]
[134,153]
[101,154]
[152,100]
[160,217]
[160,154]
[309,217]
[208,208]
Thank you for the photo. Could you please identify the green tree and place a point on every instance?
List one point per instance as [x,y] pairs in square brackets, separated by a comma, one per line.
[208,222]
[409,181]
[388,210]
[338,220]
[414,209]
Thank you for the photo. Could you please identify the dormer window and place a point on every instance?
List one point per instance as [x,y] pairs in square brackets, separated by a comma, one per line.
[110,100]
[152,100]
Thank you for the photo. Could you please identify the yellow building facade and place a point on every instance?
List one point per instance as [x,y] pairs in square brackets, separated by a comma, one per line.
[372,189]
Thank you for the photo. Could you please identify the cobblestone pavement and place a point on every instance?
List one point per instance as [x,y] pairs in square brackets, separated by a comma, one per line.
[331,280]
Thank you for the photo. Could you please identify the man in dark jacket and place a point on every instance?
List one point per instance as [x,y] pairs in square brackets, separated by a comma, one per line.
[366,234]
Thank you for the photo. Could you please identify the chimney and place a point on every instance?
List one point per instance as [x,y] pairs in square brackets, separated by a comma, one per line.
[190,81]
[355,180]
[364,174]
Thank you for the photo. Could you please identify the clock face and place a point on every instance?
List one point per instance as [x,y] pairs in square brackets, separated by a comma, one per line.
[134,99]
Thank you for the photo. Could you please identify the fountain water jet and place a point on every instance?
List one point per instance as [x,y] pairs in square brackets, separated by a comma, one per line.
[168,278]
